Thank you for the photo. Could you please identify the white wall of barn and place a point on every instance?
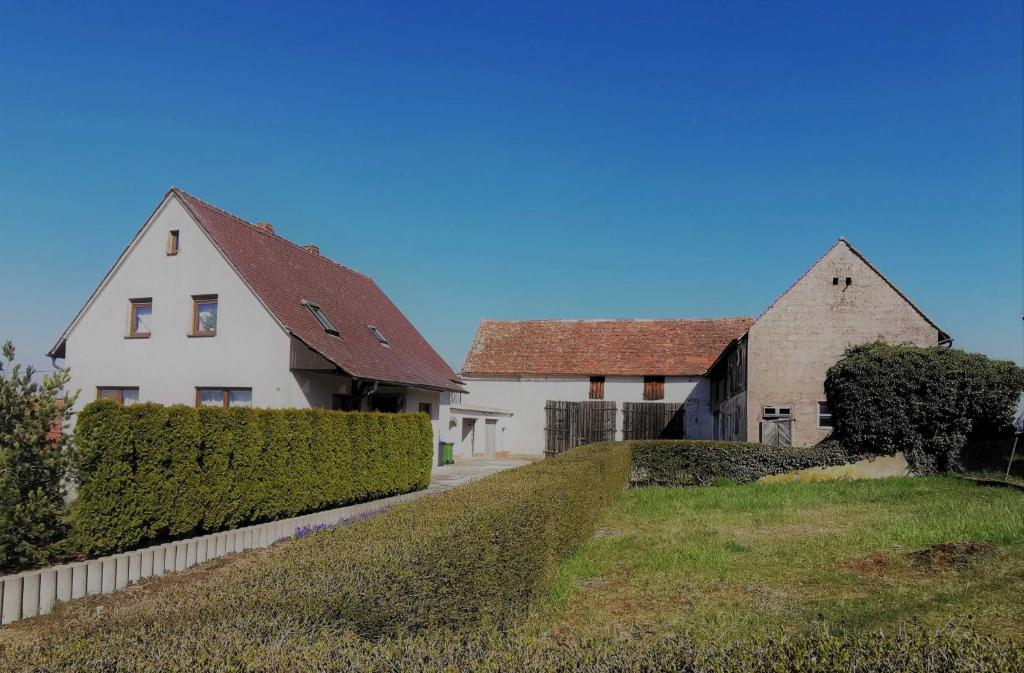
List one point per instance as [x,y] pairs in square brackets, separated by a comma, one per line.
[526,397]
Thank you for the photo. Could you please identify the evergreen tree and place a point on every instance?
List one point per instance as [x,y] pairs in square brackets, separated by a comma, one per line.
[33,460]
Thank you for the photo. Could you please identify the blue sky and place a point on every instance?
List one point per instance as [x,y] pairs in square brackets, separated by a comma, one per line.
[528,160]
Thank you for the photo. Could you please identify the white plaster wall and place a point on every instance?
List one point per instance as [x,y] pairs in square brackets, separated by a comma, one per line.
[438,402]
[250,349]
[525,398]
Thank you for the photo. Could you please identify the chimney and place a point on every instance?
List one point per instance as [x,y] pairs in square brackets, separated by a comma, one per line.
[312,248]
[265,226]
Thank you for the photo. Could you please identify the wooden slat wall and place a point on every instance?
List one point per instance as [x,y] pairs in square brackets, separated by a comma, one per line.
[653,420]
[571,424]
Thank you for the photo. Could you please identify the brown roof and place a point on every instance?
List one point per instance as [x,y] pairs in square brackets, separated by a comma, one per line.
[283,274]
[600,347]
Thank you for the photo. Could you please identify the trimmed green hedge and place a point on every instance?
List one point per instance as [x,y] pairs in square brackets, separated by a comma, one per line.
[688,462]
[470,557]
[149,472]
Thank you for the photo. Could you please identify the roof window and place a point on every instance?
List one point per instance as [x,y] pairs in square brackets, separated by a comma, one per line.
[380,337]
[321,317]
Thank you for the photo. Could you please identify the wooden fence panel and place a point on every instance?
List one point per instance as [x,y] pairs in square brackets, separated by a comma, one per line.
[571,424]
[653,420]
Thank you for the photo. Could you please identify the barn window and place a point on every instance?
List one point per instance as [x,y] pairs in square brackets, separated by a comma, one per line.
[771,413]
[824,415]
[654,387]
[835,280]
[597,387]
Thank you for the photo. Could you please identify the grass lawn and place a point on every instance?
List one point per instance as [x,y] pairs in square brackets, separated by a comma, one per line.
[726,561]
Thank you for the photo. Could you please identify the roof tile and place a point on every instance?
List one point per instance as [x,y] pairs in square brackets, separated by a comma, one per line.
[600,347]
[282,274]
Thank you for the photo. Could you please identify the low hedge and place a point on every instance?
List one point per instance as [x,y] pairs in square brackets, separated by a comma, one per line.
[472,557]
[150,472]
[820,650]
[690,462]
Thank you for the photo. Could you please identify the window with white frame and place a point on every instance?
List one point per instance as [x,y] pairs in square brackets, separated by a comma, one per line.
[824,415]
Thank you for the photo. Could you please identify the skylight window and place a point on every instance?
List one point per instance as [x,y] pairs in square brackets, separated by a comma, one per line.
[376,333]
[321,317]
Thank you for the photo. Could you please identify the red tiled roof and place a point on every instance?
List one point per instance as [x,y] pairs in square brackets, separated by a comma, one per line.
[600,347]
[282,274]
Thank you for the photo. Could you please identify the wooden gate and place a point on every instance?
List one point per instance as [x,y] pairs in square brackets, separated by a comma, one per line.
[653,420]
[570,424]
[777,431]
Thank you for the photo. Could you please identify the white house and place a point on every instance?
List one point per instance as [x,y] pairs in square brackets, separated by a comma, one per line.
[206,308]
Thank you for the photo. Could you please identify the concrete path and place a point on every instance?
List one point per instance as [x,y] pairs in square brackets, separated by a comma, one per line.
[449,476]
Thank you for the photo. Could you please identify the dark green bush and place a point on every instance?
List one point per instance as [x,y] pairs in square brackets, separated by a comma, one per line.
[33,451]
[928,403]
[688,462]
[149,472]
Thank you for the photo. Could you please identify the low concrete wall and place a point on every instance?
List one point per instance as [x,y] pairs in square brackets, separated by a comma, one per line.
[869,468]
[37,592]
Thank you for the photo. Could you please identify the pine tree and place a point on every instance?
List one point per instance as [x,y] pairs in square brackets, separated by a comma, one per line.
[33,461]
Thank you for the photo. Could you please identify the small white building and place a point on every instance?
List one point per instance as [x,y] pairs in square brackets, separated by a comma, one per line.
[205,308]
[520,366]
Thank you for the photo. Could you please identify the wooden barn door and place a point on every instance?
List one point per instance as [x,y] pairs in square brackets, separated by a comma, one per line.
[571,424]
[653,420]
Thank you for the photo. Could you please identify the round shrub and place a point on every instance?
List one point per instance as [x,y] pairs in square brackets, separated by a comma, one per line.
[926,402]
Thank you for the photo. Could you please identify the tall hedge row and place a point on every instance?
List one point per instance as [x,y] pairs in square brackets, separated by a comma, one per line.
[692,462]
[150,472]
[926,402]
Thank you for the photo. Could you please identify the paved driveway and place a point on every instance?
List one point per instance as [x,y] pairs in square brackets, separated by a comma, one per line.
[444,477]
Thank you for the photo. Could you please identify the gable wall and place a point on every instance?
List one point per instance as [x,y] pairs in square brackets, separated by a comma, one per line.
[794,343]
[249,350]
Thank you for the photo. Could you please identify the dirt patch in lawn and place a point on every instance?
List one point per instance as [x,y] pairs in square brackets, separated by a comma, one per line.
[877,562]
[951,554]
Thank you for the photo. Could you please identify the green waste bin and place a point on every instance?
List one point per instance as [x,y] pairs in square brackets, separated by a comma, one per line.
[446,456]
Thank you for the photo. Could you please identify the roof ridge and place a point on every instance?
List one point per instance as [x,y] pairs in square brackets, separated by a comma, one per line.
[269,233]
[567,320]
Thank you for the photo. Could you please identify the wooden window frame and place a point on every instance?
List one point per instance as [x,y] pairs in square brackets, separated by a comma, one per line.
[596,388]
[173,242]
[196,301]
[119,398]
[225,394]
[654,388]
[776,412]
[134,305]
